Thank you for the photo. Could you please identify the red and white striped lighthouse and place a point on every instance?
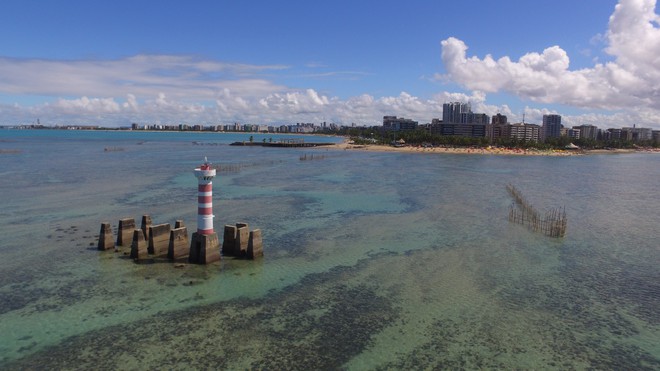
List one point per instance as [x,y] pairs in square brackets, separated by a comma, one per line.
[205,215]
[204,245]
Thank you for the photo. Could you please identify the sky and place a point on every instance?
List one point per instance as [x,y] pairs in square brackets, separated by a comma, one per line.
[112,63]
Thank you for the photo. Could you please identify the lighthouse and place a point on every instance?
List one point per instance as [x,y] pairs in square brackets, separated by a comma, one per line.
[205,176]
[204,245]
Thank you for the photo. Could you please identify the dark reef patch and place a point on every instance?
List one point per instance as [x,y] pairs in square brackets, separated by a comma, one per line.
[320,323]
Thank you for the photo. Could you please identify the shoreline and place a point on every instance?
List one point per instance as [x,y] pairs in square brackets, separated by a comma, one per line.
[482,151]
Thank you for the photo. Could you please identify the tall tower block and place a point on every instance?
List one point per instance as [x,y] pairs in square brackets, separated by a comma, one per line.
[204,246]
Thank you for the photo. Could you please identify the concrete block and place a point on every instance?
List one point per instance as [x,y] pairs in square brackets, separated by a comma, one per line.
[179,224]
[178,247]
[242,237]
[159,239]
[204,248]
[229,240]
[106,239]
[139,250]
[146,223]
[255,247]
[125,231]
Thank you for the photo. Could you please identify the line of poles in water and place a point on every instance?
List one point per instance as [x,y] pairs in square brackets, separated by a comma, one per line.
[552,223]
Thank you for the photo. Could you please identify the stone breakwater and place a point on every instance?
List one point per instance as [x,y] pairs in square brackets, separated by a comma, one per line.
[161,241]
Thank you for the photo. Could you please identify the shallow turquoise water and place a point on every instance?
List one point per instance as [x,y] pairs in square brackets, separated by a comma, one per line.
[373,260]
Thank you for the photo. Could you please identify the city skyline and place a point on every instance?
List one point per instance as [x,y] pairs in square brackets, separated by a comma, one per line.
[113,64]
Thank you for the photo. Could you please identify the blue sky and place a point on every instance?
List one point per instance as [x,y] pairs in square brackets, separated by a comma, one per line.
[119,62]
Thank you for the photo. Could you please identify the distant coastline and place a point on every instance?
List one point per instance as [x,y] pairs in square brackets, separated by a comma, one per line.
[347,145]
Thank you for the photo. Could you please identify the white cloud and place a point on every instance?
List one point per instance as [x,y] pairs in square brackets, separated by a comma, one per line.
[96,105]
[183,77]
[630,82]
[175,88]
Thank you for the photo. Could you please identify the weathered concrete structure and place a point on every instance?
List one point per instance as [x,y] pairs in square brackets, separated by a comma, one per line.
[173,243]
[229,240]
[255,247]
[204,245]
[139,249]
[178,247]
[146,223]
[106,239]
[240,242]
[125,231]
[159,239]
[204,249]
[242,237]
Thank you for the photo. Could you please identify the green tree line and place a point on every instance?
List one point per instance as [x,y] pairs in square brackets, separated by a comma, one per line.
[377,135]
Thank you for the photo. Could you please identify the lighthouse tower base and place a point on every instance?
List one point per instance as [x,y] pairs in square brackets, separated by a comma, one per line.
[204,248]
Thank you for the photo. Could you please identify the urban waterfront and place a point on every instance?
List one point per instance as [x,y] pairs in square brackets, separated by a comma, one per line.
[372,260]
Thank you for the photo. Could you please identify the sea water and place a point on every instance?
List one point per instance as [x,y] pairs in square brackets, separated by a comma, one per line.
[372,260]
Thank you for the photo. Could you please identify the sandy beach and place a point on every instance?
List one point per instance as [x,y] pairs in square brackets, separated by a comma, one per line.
[347,145]
[455,150]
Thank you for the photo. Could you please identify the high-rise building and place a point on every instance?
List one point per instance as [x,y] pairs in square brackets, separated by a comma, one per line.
[452,113]
[438,127]
[587,131]
[551,126]
[499,119]
[526,132]
[636,134]
[478,118]
[574,133]
[398,124]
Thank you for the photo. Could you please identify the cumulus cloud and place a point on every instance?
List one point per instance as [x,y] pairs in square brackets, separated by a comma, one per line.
[632,79]
[184,77]
[176,88]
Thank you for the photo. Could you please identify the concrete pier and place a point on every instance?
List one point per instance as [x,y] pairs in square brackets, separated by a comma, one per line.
[242,237]
[240,242]
[159,239]
[204,248]
[229,240]
[139,250]
[146,223]
[163,241]
[178,247]
[125,231]
[106,239]
[255,247]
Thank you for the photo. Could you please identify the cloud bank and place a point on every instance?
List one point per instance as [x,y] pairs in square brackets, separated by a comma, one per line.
[631,80]
[189,89]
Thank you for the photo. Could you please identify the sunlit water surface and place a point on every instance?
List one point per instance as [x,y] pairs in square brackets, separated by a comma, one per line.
[373,260]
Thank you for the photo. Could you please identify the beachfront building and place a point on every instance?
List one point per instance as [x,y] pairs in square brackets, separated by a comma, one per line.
[612,134]
[498,131]
[573,133]
[635,134]
[453,112]
[499,119]
[587,131]
[520,131]
[498,128]
[459,120]
[393,123]
[439,127]
[526,132]
[477,118]
[551,126]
